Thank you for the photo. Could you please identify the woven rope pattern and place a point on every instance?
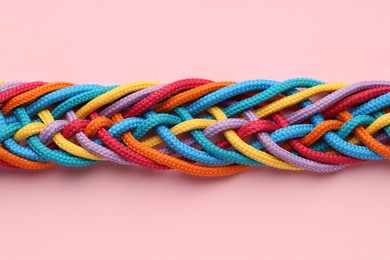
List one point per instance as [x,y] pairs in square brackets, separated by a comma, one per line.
[196,126]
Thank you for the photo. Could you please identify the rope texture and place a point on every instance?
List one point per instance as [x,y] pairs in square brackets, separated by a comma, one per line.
[196,126]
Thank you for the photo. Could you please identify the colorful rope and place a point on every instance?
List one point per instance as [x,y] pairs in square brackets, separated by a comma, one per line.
[196,126]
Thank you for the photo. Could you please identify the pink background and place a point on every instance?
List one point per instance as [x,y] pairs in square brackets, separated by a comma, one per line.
[112,212]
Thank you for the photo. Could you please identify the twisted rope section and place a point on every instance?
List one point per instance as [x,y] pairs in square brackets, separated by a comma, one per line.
[196,126]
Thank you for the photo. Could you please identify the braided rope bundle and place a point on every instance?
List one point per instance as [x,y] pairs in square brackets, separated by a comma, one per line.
[196,126]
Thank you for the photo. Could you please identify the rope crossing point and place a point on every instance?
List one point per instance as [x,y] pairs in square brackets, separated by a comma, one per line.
[196,126]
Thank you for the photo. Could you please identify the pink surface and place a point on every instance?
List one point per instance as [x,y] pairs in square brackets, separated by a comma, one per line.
[111,212]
